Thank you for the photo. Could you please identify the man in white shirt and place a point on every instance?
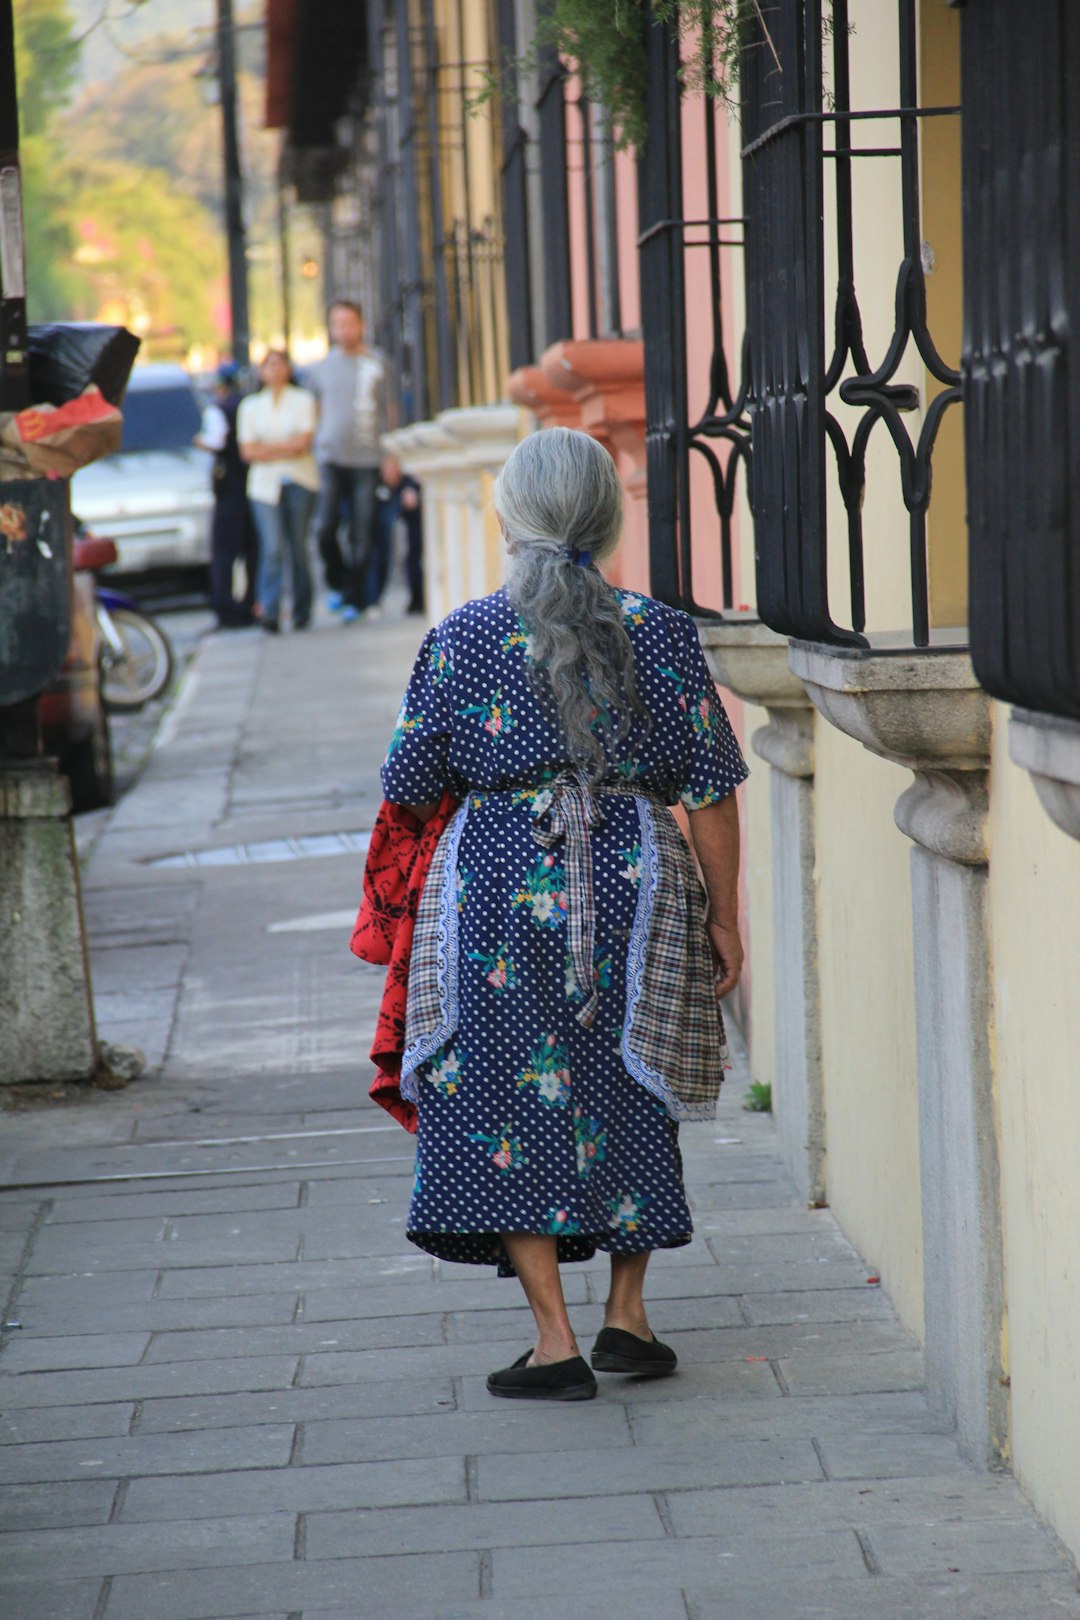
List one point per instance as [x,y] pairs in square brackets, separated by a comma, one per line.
[353,386]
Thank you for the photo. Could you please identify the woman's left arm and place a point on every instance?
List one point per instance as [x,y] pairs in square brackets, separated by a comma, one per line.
[714,833]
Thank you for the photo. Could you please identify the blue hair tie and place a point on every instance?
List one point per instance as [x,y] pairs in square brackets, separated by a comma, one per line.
[582,559]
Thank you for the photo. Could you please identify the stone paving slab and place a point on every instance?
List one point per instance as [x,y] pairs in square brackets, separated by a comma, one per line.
[58,1353]
[32,1423]
[351,1584]
[126,1548]
[68,1502]
[483,1526]
[296,1490]
[385,1401]
[299,1338]
[651,1468]
[561,1571]
[53,1317]
[137,1383]
[927,1502]
[43,1599]
[957,1597]
[263,1446]
[462,1434]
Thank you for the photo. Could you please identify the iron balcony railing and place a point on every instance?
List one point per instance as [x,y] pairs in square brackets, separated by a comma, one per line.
[1021,149]
[716,428]
[799,360]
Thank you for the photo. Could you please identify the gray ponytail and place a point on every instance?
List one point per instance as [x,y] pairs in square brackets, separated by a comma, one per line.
[558,496]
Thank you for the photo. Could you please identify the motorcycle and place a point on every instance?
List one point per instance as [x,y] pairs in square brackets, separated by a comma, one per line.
[136,656]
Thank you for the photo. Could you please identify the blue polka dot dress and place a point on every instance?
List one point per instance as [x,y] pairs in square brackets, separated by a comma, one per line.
[529,1121]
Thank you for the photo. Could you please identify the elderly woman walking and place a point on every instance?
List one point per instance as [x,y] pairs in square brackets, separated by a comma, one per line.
[562,1006]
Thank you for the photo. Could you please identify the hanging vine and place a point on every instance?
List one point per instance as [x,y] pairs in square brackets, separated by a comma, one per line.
[605,40]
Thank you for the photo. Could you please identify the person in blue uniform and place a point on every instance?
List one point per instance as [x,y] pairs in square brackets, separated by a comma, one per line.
[232,530]
[563,1017]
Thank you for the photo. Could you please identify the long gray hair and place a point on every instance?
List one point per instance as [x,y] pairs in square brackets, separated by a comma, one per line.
[559,496]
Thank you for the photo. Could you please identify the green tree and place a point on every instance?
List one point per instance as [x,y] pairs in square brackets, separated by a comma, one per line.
[47,59]
[147,254]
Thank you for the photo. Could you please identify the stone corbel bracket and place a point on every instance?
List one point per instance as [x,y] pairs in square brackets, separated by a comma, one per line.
[1048,748]
[925,710]
[749,659]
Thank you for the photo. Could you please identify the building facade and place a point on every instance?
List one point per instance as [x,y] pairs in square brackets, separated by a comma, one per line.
[828,344]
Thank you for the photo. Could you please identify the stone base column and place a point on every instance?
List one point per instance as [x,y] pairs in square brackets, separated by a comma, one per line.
[752,661]
[927,711]
[46,1012]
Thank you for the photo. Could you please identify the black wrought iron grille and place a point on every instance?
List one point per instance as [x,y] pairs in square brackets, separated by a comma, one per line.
[792,372]
[1020,69]
[718,430]
[439,313]
[555,236]
[515,198]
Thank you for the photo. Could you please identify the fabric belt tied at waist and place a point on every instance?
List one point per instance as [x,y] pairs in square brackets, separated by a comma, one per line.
[570,809]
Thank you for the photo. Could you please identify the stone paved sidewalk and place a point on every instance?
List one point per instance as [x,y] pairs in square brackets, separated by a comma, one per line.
[237,1391]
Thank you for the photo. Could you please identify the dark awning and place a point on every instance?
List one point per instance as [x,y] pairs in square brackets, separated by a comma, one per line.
[316,50]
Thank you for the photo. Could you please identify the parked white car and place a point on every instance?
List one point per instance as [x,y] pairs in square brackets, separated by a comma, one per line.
[153,498]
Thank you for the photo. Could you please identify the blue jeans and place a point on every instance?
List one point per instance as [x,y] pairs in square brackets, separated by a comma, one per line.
[284,529]
[351,488]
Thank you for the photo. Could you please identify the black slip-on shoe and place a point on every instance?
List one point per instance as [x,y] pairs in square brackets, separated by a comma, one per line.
[616,1350]
[568,1380]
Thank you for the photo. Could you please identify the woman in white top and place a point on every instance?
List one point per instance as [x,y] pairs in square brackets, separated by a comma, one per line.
[275,428]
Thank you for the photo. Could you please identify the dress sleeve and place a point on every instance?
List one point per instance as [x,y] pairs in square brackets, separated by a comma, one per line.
[714,762]
[416,769]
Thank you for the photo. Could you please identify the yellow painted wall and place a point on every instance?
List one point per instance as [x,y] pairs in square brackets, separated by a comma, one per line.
[946,520]
[1035,926]
[758,917]
[868,1013]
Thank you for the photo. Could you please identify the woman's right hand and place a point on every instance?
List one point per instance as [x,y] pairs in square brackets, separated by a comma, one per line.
[727,952]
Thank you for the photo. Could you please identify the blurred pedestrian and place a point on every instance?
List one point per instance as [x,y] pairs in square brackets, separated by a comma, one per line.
[352,385]
[275,428]
[397,499]
[232,530]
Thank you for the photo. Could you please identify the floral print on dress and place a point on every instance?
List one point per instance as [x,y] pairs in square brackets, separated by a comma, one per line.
[635,608]
[701,717]
[518,637]
[440,663]
[405,723]
[497,718]
[500,970]
[626,1211]
[601,975]
[632,870]
[445,1070]
[547,1070]
[590,1141]
[701,801]
[559,1221]
[544,892]
[504,1149]
[464,879]
[680,685]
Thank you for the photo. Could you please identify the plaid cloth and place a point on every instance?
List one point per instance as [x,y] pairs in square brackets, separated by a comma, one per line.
[674,1042]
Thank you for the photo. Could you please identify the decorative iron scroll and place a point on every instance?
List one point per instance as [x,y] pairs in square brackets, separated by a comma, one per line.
[719,432]
[791,379]
[1020,68]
